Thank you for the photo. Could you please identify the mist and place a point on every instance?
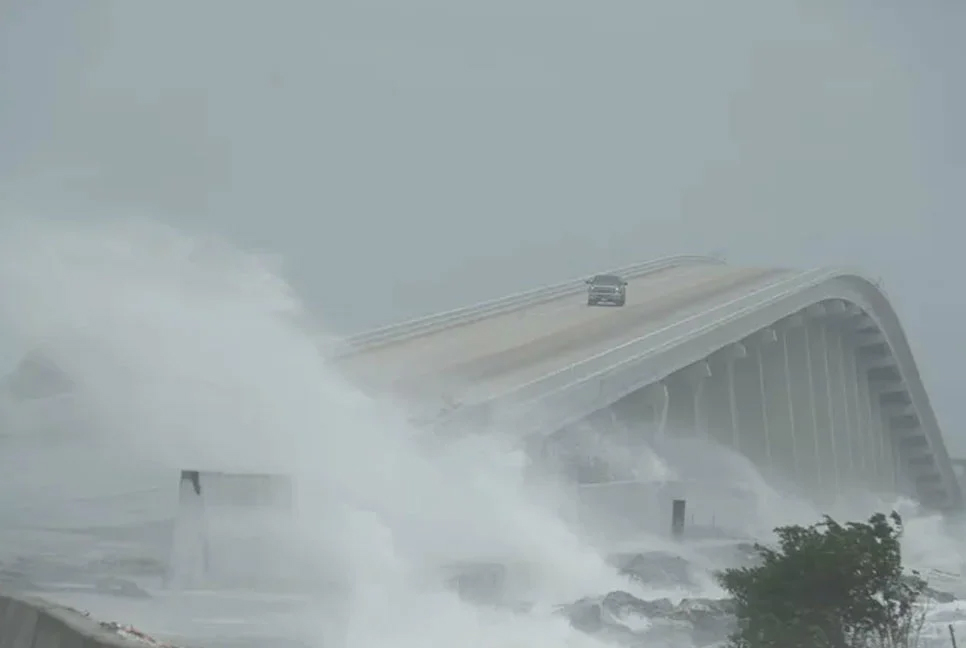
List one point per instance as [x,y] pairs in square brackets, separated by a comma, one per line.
[169,167]
[183,355]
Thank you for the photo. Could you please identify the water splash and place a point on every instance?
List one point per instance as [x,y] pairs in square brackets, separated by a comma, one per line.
[184,354]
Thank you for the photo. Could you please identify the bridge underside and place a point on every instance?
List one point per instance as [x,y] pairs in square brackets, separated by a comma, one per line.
[815,402]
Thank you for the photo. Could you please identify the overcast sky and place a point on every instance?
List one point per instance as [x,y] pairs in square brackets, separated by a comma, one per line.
[485,146]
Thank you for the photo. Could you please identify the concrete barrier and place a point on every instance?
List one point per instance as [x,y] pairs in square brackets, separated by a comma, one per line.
[28,622]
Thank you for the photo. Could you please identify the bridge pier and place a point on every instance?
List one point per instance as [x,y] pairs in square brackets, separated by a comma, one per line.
[687,413]
[816,330]
[658,398]
[839,398]
[720,398]
[862,437]
[801,395]
[751,407]
[779,407]
[871,434]
[880,378]
[889,393]
[798,394]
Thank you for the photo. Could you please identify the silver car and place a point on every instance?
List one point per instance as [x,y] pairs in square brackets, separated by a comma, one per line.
[606,289]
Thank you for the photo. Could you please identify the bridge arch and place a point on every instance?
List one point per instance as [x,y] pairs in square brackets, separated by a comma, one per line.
[849,340]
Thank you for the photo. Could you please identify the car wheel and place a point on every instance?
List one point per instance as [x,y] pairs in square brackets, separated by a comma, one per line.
[621,302]
[591,302]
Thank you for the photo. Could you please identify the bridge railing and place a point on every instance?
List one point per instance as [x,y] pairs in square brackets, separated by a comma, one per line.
[529,403]
[433,323]
[653,342]
[560,397]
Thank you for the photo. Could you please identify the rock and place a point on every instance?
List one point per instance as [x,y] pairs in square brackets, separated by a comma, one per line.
[711,620]
[655,568]
[621,603]
[585,615]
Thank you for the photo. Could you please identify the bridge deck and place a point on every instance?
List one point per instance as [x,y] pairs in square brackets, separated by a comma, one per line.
[508,350]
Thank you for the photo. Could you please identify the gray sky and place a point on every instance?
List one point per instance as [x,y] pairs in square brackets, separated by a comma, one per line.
[484,147]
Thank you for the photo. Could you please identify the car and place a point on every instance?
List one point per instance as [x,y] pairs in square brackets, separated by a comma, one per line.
[606,288]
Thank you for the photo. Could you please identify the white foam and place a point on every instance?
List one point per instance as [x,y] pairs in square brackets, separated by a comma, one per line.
[184,355]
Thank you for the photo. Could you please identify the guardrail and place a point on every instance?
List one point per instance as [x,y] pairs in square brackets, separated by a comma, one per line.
[426,325]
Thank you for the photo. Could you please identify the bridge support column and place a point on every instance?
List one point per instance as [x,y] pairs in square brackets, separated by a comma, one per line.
[720,398]
[760,409]
[881,377]
[699,374]
[905,426]
[779,407]
[685,393]
[817,331]
[658,398]
[855,399]
[899,422]
[889,480]
[871,434]
[801,394]
[636,416]
[871,350]
[840,397]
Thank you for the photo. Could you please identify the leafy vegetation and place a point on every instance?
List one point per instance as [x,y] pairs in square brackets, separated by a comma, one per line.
[828,585]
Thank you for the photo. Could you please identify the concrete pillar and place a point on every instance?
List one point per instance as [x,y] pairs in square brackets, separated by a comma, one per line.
[870,347]
[801,394]
[719,399]
[873,357]
[887,481]
[699,374]
[659,399]
[750,406]
[677,518]
[893,456]
[839,397]
[635,416]
[714,401]
[874,447]
[868,438]
[780,408]
[905,425]
[771,395]
[853,399]
[733,405]
[685,394]
[816,328]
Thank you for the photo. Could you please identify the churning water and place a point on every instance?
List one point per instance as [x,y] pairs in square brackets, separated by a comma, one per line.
[185,353]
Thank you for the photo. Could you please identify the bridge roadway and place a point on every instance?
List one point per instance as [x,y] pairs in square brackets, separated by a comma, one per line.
[496,354]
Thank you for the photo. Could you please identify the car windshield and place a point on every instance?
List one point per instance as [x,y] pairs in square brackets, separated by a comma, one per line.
[607,280]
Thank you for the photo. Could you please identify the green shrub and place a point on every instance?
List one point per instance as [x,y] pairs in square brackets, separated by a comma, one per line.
[828,586]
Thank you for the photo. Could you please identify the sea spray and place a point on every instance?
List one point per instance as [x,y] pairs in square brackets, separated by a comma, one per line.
[183,353]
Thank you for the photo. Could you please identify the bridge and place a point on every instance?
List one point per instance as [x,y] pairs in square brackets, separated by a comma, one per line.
[805,374]
[808,373]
